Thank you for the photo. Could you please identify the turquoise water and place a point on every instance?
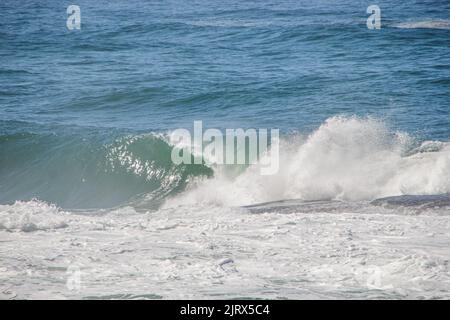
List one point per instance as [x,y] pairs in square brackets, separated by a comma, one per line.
[75,104]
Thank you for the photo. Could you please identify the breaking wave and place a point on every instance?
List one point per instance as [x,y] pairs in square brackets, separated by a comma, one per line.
[346,158]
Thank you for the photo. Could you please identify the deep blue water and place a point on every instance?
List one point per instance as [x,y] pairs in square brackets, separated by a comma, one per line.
[137,67]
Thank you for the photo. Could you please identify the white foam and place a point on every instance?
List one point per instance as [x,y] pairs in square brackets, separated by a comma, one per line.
[211,253]
[28,216]
[430,24]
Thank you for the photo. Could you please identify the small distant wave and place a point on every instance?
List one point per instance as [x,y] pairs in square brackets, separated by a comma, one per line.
[347,158]
[430,24]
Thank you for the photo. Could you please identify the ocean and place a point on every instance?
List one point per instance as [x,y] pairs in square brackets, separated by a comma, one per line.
[92,205]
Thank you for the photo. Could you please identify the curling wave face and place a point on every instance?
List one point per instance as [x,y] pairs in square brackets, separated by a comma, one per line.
[426,24]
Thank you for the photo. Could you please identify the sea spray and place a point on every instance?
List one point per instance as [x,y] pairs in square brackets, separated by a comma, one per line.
[346,158]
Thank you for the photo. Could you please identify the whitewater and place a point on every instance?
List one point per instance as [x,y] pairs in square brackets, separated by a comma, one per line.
[357,210]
